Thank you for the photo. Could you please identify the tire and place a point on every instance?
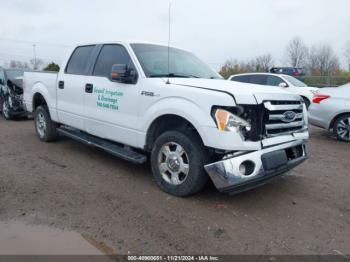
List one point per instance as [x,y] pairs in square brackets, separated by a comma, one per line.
[45,128]
[5,109]
[341,128]
[307,102]
[180,173]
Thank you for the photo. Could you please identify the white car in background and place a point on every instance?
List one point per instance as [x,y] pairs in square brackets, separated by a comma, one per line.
[331,110]
[286,82]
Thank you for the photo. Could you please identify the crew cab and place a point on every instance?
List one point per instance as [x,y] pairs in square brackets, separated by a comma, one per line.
[140,100]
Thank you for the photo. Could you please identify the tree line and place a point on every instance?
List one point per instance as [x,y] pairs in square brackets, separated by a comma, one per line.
[34,64]
[316,60]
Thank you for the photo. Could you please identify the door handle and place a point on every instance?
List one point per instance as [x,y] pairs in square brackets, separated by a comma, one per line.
[61,84]
[89,88]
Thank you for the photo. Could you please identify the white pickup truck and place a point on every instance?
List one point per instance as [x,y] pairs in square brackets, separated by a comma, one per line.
[136,100]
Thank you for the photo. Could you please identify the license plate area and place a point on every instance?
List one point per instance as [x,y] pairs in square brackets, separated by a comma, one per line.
[276,159]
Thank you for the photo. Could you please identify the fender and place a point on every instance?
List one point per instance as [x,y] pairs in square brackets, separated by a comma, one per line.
[178,106]
[40,88]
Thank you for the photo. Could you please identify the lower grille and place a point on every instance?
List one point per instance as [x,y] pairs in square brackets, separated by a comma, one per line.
[284,117]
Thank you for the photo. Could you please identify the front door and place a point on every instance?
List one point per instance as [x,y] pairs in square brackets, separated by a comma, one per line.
[111,108]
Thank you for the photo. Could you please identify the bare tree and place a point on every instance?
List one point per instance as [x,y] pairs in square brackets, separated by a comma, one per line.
[13,64]
[19,64]
[259,64]
[263,63]
[323,61]
[297,52]
[347,53]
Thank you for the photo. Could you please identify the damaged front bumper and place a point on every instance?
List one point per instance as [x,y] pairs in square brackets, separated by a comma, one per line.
[249,170]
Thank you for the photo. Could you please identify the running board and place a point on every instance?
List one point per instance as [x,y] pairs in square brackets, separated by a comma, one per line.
[110,147]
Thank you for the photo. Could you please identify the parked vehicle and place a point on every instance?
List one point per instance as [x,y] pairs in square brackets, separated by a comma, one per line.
[131,101]
[331,110]
[286,82]
[11,93]
[291,71]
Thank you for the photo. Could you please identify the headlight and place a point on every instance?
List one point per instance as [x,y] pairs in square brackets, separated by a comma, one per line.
[226,121]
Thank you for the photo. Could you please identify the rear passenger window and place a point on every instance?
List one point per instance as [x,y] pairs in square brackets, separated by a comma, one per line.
[243,79]
[258,79]
[109,56]
[79,60]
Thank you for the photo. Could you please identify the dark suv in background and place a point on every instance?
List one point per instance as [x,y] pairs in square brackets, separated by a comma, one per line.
[11,93]
[297,72]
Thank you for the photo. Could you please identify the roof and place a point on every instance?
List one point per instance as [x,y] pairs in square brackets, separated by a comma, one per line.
[126,42]
[272,74]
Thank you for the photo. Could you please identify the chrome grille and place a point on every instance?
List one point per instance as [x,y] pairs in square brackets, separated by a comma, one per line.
[284,117]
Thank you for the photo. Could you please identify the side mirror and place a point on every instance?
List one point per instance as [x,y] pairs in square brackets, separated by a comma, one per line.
[122,74]
[283,85]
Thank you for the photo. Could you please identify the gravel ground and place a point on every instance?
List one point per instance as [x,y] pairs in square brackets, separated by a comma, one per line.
[117,204]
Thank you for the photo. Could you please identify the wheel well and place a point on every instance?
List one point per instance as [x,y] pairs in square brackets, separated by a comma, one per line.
[166,123]
[38,100]
[305,98]
[335,119]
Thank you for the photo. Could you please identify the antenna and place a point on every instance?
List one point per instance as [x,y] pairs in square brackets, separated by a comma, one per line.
[169,38]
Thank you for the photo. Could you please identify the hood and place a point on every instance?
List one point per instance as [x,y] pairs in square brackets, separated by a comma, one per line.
[243,93]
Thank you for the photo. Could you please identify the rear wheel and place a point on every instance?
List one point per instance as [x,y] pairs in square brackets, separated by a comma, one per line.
[178,159]
[45,128]
[341,128]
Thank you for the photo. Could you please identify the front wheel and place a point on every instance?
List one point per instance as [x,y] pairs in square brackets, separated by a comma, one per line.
[5,108]
[45,128]
[178,159]
[341,128]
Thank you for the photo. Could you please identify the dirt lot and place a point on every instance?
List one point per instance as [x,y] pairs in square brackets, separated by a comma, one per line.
[72,186]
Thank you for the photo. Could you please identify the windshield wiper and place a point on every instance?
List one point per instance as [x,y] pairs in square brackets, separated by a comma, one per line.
[174,75]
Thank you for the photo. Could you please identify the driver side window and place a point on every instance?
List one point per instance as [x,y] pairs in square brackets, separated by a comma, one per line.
[109,56]
[275,81]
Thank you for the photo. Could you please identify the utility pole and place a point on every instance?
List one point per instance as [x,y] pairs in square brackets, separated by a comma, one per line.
[34,57]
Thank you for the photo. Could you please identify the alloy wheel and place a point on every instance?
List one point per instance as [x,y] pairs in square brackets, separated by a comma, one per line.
[41,124]
[173,163]
[343,128]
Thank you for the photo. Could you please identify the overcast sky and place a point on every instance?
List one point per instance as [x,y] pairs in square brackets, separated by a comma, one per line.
[216,30]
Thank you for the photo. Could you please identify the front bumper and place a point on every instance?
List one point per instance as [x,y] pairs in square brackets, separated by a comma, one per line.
[260,166]
[16,105]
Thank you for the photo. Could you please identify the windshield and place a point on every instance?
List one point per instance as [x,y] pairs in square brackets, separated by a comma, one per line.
[154,62]
[12,74]
[294,81]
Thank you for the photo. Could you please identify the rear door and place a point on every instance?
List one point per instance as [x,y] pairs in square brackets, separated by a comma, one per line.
[71,87]
[111,108]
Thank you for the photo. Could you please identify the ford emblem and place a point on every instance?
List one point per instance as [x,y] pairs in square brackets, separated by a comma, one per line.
[289,116]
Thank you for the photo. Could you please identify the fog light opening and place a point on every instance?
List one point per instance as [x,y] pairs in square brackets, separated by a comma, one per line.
[247,168]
